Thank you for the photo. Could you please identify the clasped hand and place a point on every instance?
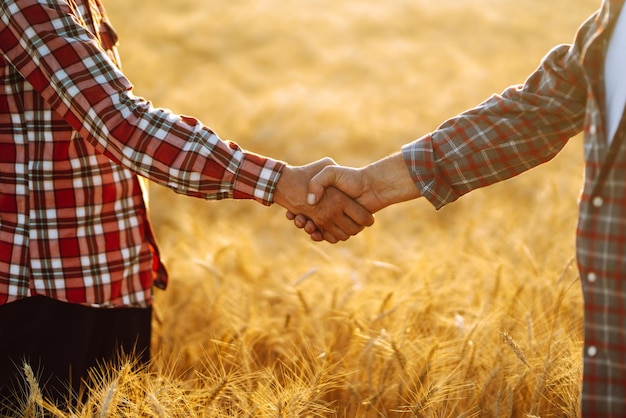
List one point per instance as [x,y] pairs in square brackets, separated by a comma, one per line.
[373,187]
[333,217]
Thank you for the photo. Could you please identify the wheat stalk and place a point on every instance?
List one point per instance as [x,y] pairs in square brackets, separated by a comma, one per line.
[303,302]
[36,404]
[422,403]
[398,354]
[428,360]
[34,400]
[513,345]
[156,406]
[217,391]
[383,304]
[109,399]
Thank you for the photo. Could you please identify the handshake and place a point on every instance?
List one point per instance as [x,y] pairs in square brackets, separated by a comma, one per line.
[331,203]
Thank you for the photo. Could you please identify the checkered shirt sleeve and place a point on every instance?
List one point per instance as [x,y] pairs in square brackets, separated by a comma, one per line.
[66,65]
[525,126]
[505,135]
[73,138]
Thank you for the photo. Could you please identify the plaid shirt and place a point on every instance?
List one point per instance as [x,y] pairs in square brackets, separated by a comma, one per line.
[73,138]
[525,126]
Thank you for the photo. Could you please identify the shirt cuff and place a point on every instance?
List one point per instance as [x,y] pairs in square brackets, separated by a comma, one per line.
[257,178]
[421,162]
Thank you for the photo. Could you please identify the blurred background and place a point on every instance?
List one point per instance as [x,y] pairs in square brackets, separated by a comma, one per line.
[299,80]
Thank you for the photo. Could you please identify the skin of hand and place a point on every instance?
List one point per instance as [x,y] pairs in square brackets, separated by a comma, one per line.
[335,216]
[376,186]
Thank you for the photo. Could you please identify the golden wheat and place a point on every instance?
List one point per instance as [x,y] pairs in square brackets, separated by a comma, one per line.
[406,319]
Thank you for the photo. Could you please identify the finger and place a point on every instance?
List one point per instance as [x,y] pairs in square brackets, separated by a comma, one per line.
[347,226]
[301,221]
[359,214]
[310,227]
[319,182]
[341,229]
[344,210]
[326,161]
[317,236]
[330,237]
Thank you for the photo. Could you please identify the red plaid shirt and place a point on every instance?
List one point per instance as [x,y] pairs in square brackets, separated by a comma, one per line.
[73,138]
[525,126]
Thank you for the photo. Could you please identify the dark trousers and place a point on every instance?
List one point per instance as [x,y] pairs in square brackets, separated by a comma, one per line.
[62,341]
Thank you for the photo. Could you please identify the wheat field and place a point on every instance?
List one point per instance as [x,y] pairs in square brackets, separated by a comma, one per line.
[471,311]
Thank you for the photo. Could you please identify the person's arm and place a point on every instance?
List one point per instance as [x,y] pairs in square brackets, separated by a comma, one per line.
[63,61]
[375,186]
[45,41]
[505,135]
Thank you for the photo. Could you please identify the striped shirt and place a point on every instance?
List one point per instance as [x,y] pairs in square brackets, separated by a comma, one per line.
[73,141]
[525,126]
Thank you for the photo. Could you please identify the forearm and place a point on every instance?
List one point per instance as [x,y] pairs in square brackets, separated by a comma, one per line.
[389,181]
[507,134]
[185,155]
[63,61]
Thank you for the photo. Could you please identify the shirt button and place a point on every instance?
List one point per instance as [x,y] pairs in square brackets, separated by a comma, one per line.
[592,351]
[593,129]
[591,277]
[597,202]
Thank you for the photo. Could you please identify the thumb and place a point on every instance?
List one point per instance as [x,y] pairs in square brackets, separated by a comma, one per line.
[326,177]
[325,162]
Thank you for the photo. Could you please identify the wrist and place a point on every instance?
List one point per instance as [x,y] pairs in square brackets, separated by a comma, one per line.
[391,181]
[280,193]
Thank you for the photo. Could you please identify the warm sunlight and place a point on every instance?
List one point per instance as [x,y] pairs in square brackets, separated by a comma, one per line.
[472,311]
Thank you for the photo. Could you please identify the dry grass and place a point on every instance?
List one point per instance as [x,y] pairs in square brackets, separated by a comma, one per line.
[472,311]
